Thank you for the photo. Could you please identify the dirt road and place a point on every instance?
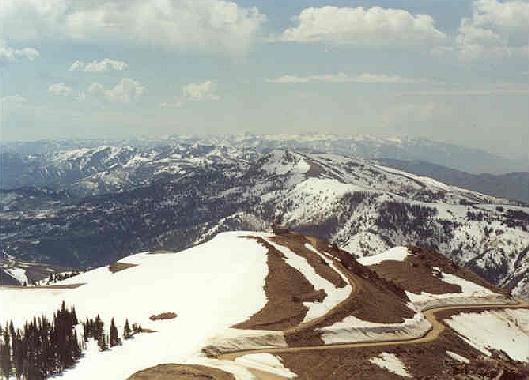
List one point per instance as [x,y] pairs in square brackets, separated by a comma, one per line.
[433,333]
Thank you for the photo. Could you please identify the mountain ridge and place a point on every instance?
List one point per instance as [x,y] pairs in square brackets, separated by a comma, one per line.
[514,185]
[406,311]
[362,206]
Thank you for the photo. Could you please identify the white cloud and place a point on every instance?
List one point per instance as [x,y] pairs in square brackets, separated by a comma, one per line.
[496,29]
[345,78]
[60,89]
[9,54]
[13,100]
[200,91]
[205,25]
[362,27]
[123,92]
[105,64]
[193,92]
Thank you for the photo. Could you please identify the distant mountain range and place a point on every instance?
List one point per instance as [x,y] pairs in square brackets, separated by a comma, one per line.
[453,156]
[401,148]
[510,185]
[90,206]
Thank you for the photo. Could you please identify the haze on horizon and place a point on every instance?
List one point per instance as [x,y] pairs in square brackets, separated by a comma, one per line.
[453,71]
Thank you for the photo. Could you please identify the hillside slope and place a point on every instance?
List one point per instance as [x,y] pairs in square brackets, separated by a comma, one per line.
[250,305]
[513,186]
[364,207]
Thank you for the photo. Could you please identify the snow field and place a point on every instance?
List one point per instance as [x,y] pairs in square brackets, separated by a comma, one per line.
[315,197]
[396,253]
[352,329]
[202,285]
[469,291]
[506,330]
[18,274]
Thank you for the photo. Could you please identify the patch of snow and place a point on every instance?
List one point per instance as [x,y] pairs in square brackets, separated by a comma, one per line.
[266,363]
[281,163]
[469,290]
[231,340]
[427,181]
[467,287]
[329,187]
[328,261]
[498,330]
[18,274]
[352,329]
[334,295]
[396,253]
[390,362]
[364,243]
[316,197]
[457,357]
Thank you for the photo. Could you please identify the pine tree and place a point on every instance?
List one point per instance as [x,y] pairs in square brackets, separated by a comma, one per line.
[114,338]
[43,348]
[18,354]
[103,346]
[126,330]
[74,316]
[136,328]
[5,355]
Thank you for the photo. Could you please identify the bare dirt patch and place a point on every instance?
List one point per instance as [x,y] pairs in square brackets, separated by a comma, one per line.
[117,267]
[166,315]
[181,372]
[285,290]
[414,274]
[373,299]
[422,360]
[377,300]
[296,243]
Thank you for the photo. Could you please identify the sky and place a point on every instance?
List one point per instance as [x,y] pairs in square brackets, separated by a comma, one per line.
[448,70]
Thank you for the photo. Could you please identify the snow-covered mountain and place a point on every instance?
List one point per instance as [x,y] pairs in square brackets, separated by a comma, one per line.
[257,305]
[370,146]
[513,186]
[63,162]
[175,197]
[108,168]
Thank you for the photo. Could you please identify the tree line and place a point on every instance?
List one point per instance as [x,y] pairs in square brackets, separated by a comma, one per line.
[44,348]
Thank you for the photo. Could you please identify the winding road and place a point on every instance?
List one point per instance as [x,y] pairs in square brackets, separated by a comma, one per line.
[433,333]
[436,326]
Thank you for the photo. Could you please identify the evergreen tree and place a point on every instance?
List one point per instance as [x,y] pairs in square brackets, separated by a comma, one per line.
[114,336]
[126,330]
[5,355]
[43,347]
[103,343]
[18,354]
